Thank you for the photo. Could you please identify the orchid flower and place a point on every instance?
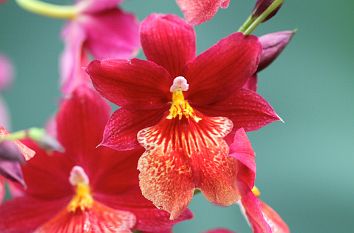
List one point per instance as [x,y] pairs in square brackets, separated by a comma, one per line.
[180,107]
[84,189]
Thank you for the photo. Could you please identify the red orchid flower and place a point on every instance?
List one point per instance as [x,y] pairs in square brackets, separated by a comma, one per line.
[84,35]
[199,11]
[183,107]
[84,188]
[272,46]
[262,218]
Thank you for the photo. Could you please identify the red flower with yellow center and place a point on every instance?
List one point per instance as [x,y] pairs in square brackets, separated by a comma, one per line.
[84,189]
[179,107]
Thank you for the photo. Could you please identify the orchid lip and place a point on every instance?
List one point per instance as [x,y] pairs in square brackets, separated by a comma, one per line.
[82,199]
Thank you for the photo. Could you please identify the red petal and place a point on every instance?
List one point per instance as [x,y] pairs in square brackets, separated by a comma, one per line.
[253,211]
[121,130]
[274,220]
[136,84]
[222,69]
[199,11]
[182,155]
[98,219]
[149,218]
[25,214]
[245,108]
[111,33]
[168,41]
[44,172]
[80,123]
[241,149]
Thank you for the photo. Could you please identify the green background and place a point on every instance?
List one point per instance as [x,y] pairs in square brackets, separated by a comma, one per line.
[305,166]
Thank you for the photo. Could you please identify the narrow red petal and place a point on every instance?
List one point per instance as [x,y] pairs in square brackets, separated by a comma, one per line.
[241,149]
[136,83]
[168,41]
[199,11]
[253,211]
[182,155]
[121,130]
[245,108]
[274,220]
[222,69]
[98,219]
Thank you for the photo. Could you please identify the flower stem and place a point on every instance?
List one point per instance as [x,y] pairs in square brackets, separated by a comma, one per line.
[246,24]
[48,9]
[250,27]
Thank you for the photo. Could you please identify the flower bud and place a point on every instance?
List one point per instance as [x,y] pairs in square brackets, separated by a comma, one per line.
[9,151]
[273,44]
[12,171]
[261,6]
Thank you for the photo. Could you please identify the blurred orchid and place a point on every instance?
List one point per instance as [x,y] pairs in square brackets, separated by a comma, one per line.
[84,189]
[97,28]
[262,218]
[181,107]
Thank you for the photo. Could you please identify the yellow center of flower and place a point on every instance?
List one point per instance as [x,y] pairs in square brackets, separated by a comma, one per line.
[82,199]
[256,191]
[180,107]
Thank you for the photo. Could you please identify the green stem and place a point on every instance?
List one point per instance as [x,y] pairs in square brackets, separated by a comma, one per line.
[48,9]
[246,24]
[262,17]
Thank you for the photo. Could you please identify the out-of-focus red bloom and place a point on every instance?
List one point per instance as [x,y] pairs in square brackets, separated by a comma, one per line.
[199,11]
[272,46]
[84,189]
[262,218]
[183,106]
[100,29]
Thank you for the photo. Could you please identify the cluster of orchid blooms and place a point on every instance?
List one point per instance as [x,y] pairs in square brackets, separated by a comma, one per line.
[180,128]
